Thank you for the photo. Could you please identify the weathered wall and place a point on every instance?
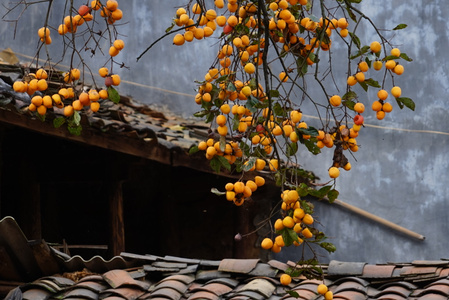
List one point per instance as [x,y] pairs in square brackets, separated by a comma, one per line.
[400,173]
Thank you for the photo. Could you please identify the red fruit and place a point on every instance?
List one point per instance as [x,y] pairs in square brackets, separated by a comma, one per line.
[108,81]
[260,128]
[358,120]
[83,10]
[227,29]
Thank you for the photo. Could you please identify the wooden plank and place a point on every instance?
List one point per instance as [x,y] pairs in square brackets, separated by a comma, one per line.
[99,247]
[117,239]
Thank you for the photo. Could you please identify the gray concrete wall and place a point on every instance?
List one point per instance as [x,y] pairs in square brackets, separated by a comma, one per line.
[400,173]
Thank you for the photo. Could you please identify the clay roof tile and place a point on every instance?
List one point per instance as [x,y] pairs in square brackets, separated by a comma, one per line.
[203,295]
[378,271]
[238,265]
[216,288]
[338,268]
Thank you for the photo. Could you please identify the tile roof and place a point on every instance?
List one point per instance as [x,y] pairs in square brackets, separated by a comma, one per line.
[158,278]
[129,126]
[36,268]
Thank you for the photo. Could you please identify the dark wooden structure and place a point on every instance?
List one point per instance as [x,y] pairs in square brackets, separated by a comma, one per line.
[105,189]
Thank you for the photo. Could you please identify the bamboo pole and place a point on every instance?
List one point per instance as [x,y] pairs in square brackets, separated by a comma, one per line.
[380,220]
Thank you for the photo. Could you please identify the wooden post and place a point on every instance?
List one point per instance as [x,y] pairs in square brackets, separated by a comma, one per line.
[33,212]
[29,200]
[2,133]
[117,237]
[244,248]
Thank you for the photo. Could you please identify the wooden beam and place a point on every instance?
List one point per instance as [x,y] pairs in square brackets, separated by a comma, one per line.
[148,148]
[112,141]
[380,220]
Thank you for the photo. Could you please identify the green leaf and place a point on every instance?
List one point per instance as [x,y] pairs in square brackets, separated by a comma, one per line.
[313,57]
[329,247]
[370,57]
[312,131]
[404,101]
[314,18]
[222,78]
[390,57]
[293,294]
[215,164]
[206,105]
[405,57]
[209,117]
[245,148]
[278,179]
[193,149]
[75,129]
[332,195]
[350,12]
[289,236]
[40,117]
[57,122]
[321,193]
[349,104]
[249,164]
[76,118]
[292,149]
[307,206]
[235,122]
[222,143]
[364,86]
[274,93]
[251,104]
[224,162]
[349,96]
[201,114]
[312,147]
[231,87]
[170,27]
[360,52]
[302,173]
[302,66]
[372,82]
[355,39]
[253,83]
[278,110]
[303,190]
[113,95]
[309,268]
[217,192]
[294,272]
[400,26]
